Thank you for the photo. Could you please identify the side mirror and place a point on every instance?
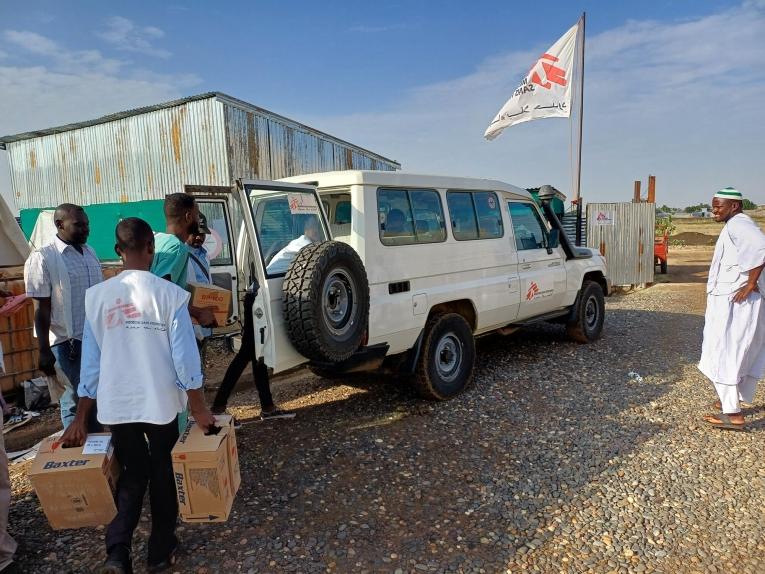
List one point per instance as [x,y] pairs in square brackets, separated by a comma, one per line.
[553,240]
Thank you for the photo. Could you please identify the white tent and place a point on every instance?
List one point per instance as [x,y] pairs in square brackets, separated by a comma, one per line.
[14,249]
[44,230]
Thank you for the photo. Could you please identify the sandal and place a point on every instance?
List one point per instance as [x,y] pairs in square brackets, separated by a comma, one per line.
[725,422]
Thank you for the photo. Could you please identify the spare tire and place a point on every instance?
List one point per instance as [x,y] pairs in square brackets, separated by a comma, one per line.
[326,301]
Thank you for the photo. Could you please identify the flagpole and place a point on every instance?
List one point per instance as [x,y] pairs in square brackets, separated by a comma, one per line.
[579,161]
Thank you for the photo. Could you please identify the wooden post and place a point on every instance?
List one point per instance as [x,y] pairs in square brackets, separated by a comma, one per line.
[651,189]
[636,197]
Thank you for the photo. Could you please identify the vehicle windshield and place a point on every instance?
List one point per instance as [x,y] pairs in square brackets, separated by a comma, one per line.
[285,222]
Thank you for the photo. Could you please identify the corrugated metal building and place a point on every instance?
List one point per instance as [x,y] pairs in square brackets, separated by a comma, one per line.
[146,153]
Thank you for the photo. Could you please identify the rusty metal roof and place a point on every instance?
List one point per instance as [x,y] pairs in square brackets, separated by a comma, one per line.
[171,104]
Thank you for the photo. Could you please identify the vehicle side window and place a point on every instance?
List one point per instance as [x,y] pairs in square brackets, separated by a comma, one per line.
[217,242]
[489,215]
[462,213]
[530,232]
[274,224]
[342,213]
[475,215]
[285,223]
[409,216]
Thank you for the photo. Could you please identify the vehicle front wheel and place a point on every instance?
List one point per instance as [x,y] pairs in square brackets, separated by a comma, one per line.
[445,366]
[590,314]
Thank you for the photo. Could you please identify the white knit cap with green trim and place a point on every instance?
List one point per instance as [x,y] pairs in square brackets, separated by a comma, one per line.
[730,193]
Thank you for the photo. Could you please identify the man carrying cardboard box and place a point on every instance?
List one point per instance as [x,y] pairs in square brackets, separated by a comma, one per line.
[140,361]
[199,270]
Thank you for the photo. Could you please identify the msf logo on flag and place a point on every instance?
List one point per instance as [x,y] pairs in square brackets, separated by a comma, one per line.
[552,73]
[115,316]
[546,91]
[533,291]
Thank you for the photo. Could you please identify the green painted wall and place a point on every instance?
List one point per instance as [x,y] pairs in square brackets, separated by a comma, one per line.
[103,219]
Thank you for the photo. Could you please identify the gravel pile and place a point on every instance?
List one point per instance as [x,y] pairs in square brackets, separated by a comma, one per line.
[557,460]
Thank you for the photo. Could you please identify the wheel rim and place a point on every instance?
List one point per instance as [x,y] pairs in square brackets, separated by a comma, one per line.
[449,354]
[591,313]
[338,302]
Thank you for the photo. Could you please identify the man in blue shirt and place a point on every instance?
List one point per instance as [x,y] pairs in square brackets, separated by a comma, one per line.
[199,268]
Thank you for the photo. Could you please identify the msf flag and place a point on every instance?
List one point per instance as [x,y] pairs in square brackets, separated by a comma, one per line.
[545,92]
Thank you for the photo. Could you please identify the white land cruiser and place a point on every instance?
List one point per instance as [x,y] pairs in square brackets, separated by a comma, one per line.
[373,270]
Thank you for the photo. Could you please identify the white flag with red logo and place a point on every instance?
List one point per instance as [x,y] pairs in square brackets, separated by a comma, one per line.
[545,92]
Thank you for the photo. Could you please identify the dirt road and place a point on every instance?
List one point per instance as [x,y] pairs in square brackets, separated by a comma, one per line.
[561,458]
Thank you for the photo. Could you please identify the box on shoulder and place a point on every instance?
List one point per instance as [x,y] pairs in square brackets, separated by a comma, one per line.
[76,485]
[206,295]
[206,471]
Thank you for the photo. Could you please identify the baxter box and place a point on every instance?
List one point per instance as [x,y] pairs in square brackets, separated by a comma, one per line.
[76,485]
[206,469]
[203,295]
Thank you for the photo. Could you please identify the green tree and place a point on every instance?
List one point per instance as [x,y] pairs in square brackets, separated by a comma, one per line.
[699,207]
[749,204]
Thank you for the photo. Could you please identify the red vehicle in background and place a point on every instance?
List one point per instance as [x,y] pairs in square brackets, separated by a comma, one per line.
[660,251]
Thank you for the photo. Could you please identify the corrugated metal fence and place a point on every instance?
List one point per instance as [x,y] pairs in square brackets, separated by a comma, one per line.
[623,232]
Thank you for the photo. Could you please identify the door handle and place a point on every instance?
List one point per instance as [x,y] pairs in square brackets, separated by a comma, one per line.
[554,264]
[526,266]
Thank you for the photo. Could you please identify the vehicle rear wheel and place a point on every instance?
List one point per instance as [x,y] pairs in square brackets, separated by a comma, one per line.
[663,267]
[445,366]
[326,301]
[590,314]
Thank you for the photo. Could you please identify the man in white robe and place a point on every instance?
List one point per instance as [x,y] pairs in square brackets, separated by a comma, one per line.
[733,351]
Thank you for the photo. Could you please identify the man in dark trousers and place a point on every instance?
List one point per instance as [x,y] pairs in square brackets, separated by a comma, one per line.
[140,361]
[56,277]
[246,354]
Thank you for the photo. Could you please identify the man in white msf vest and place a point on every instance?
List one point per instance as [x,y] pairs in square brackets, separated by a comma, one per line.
[140,362]
[733,352]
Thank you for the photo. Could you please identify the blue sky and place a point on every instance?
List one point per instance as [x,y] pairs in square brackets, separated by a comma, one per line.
[672,88]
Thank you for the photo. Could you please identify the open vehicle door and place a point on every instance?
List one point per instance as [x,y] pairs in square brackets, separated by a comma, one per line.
[279,219]
[219,205]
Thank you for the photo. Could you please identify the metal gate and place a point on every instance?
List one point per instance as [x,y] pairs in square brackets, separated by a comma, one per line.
[624,233]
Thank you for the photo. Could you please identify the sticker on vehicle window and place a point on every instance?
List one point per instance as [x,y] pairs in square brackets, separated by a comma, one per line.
[302,203]
[213,244]
[492,202]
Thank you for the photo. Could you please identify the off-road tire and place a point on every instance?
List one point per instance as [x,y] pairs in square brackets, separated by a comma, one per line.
[588,327]
[305,287]
[663,267]
[429,380]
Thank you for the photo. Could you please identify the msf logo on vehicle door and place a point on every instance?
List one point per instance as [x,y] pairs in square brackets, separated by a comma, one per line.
[535,291]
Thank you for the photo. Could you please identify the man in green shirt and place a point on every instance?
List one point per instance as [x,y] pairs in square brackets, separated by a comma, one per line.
[171,255]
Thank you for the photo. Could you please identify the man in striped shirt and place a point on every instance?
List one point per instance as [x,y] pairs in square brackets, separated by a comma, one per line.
[56,277]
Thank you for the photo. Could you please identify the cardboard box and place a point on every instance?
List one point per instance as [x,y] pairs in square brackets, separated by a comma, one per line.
[203,295]
[76,485]
[206,469]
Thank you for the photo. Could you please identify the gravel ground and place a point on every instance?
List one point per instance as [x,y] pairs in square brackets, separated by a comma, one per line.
[557,460]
